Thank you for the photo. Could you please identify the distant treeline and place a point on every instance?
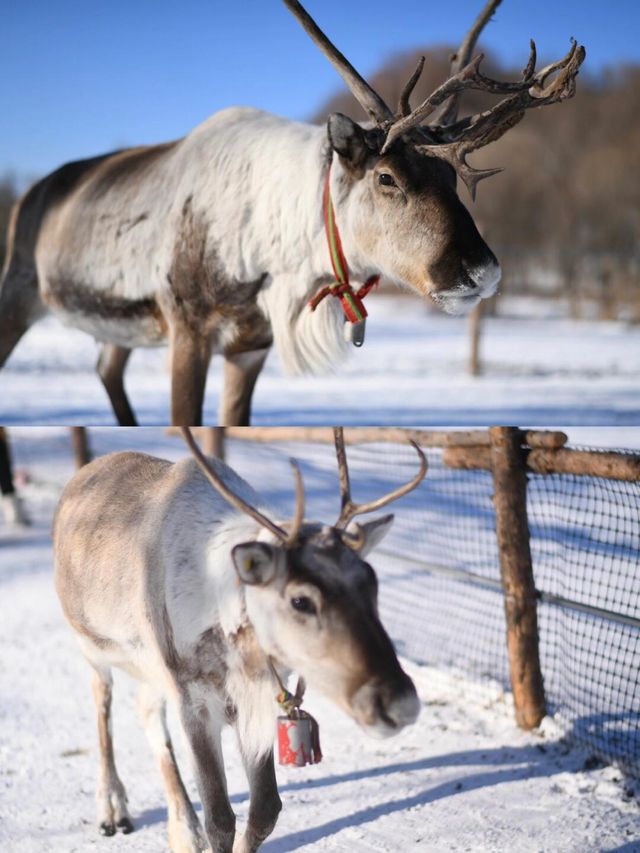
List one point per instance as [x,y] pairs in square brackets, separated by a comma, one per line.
[564,216]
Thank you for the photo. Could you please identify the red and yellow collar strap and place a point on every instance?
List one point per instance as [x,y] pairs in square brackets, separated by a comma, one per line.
[350,299]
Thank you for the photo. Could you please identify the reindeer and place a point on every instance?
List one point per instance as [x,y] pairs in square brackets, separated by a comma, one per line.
[205,599]
[217,243]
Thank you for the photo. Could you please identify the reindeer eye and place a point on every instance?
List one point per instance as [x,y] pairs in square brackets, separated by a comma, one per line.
[386,180]
[303,605]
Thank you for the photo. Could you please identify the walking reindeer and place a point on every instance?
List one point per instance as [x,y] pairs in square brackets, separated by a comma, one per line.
[208,602]
[228,240]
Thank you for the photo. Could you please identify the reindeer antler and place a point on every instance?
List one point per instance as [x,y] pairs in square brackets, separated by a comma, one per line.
[452,139]
[369,100]
[404,107]
[462,56]
[478,130]
[349,509]
[289,538]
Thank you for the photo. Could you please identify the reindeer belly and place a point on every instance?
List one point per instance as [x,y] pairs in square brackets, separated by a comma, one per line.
[109,318]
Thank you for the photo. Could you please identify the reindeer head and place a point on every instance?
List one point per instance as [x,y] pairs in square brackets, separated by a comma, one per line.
[395,179]
[312,600]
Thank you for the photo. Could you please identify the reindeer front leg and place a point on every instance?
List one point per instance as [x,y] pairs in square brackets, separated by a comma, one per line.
[265,804]
[202,724]
[190,356]
[185,833]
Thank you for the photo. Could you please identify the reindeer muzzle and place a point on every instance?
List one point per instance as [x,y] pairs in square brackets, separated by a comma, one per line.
[383,709]
[474,284]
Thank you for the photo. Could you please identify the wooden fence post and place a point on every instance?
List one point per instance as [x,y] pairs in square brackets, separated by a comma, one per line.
[516,570]
[80,445]
[475,323]
[213,442]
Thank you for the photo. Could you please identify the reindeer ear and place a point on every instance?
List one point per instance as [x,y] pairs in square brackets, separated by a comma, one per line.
[374,532]
[347,139]
[255,562]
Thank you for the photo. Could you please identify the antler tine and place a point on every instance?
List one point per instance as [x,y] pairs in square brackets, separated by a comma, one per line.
[349,508]
[567,75]
[228,495]
[298,516]
[368,99]
[404,107]
[462,56]
[343,469]
[455,155]
[530,67]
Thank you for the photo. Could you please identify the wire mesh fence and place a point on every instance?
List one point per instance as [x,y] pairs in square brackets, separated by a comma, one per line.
[440,590]
[585,536]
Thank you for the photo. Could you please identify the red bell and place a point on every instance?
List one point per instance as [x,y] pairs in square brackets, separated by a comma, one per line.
[298,741]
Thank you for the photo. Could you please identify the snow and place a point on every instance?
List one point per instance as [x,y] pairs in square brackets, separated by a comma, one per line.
[464,778]
[539,368]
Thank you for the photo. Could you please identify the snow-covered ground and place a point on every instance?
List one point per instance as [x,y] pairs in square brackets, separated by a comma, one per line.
[539,368]
[464,778]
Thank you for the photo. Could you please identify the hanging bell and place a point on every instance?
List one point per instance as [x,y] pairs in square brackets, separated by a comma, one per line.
[354,332]
[298,741]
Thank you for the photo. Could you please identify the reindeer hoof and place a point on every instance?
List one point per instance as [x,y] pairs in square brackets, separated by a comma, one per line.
[125,825]
[107,828]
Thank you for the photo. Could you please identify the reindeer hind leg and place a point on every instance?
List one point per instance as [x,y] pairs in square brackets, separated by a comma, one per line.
[112,362]
[111,797]
[20,306]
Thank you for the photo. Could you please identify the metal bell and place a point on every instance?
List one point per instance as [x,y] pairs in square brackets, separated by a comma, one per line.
[295,741]
[354,332]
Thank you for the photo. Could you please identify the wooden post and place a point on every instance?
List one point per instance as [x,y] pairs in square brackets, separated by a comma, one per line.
[80,444]
[475,323]
[213,442]
[516,570]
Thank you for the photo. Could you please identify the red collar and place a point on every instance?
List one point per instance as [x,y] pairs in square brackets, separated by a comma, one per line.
[351,301]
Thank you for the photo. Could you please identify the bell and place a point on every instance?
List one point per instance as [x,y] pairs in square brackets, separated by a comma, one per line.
[354,332]
[297,742]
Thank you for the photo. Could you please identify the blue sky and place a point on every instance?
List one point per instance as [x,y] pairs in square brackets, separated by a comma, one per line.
[80,78]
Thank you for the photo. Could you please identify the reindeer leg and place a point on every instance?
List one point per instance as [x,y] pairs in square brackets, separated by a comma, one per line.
[185,833]
[111,796]
[265,804]
[203,724]
[112,362]
[20,307]
[190,356]
[240,374]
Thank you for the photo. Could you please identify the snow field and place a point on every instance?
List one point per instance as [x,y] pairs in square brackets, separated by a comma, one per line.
[538,369]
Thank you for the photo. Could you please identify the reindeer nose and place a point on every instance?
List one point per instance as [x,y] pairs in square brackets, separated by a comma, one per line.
[399,706]
[404,710]
[484,276]
[385,707]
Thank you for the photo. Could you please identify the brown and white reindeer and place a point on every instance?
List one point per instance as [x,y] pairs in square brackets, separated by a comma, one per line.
[198,593]
[216,243]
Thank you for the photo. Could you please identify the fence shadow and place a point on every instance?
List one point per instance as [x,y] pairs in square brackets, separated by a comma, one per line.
[515,763]
[522,762]
[612,736]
